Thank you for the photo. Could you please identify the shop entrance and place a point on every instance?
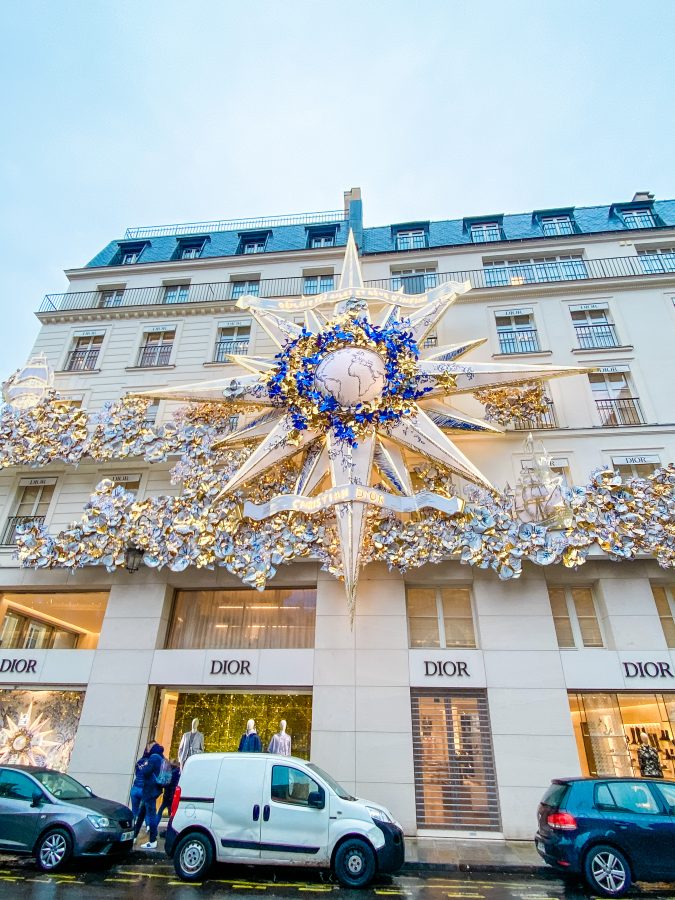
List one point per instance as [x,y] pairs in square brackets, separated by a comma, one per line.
[607,727]
[223,715]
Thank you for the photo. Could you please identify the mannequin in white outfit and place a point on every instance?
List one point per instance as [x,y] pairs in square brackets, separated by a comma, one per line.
[192,742]
[281,742]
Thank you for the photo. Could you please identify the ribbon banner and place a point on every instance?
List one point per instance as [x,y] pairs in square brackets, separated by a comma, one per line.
[312,301]
[352,493]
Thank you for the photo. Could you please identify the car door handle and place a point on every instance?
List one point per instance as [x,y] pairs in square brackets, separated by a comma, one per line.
[256,813]
[266,813]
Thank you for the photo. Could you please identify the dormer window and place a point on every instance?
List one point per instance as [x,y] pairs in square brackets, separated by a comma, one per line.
[639,218]
[411,239]
[128,254]
[484,232]
[557,226]
[190,248]
[320,237]
[253,243]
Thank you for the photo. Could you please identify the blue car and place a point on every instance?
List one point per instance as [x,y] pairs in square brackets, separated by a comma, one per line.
[610,831]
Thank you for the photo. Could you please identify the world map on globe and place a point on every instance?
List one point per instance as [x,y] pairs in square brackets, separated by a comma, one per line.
[351,376]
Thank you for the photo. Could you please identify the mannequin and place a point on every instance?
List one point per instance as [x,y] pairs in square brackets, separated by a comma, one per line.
[250,742]
[192,742]
[648,758]
[281,742]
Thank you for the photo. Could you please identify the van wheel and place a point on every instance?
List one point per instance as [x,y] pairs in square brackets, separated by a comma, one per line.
[607,872]
[354,863]
[53,850]
[193,857]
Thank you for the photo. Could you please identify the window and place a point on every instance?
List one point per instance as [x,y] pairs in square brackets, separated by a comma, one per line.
[84,355]
[31,506]
[190,248]
[593,328]
[563,267]
[614,399]
[664,599]
[130,482]
[317,284]
[574,616]
[129,257]
[554,226]
[151,413]
[128,253]
[517,333]
[23,633]
[176,293]
[253,243]
[430,341]
[322,240]
[51,621]
[415,280]
[484,232]
[17,786]
[156,348]
[658,259]
[636,466]
[245,619]
[440,617]
[638,218]
[231,339]
[293,786]
[245,286]
[111,297]
[627,796]
[411,239]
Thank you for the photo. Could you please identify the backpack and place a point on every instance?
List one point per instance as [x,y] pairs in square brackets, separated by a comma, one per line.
[163,777]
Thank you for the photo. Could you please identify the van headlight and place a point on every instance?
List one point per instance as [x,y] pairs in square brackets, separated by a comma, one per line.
[100,821]
[379,815]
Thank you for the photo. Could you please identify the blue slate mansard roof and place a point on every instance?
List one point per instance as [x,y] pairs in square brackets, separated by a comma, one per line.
[382,239]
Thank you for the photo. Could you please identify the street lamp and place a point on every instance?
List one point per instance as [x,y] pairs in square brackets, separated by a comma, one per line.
[133,557]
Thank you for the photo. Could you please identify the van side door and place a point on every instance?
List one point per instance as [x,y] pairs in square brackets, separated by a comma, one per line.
[295,816]
[237,807]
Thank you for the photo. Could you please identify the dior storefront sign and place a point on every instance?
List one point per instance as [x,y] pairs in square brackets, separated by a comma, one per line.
[230,667]
[647,670]
[20,666]
[443,667]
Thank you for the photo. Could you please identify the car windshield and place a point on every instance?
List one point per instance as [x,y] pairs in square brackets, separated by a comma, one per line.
[62,786]
[332,783]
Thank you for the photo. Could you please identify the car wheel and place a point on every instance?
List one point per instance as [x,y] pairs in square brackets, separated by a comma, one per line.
[54,849]
[354,863]
[607,871]
[193,857]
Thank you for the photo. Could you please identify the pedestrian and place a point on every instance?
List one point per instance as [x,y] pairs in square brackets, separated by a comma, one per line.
[151,788]
[169,789]
[137,785]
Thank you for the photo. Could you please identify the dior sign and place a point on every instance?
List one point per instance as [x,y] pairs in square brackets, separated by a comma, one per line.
[20,666]
[647,670]
[230,667]
[445,667]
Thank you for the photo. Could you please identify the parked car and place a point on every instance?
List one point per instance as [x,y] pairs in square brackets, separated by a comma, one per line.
[266,809]
[611,831]
[49,815]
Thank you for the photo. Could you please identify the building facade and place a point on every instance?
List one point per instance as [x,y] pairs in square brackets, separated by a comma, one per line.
[452,697]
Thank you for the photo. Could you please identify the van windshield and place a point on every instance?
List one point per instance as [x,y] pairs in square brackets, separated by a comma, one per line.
[332,783]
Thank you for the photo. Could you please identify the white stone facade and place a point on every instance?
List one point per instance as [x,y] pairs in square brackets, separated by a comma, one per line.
[361,677]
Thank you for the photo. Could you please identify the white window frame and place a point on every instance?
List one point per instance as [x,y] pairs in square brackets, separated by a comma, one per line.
[146,334]
[96,342]
[251,246]
[321,283]
[557,226]
[440,616]
[526,334]
[630,469]
[427,275]
[116,294]
[669,591]
[574,619]
[485,232]
[241,286]
[411,239]
[235,339]
[657,259]
[535,269]
[319,241]
[17,499]
[631,214]
[181,289]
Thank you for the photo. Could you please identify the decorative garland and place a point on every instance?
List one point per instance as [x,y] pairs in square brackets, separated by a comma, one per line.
[292,384]
[503,405]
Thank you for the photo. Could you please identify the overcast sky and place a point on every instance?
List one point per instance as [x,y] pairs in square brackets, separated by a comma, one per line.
[154,111]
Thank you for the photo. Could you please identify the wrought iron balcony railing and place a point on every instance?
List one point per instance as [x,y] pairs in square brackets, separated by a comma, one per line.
[626,411]
[524,340]
[596,337]
[153,355]
[546,420]
[225,347]
[311,218]
[9,534]
[82,360]
[490,277]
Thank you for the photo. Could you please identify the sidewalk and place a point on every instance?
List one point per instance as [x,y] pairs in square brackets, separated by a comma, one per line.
[426,855]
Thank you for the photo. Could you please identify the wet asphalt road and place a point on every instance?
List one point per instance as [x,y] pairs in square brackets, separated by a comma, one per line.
[156,879]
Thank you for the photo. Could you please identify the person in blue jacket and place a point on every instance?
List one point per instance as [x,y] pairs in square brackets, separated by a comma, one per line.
[137,784]
[150,791]
[169,789]
[250,742]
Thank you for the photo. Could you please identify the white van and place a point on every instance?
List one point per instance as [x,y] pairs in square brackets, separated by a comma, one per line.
[266,809]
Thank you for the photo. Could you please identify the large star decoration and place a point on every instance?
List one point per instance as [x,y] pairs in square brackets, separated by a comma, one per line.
[349,394]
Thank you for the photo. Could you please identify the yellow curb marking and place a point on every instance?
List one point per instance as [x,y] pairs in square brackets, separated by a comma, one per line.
[145,874]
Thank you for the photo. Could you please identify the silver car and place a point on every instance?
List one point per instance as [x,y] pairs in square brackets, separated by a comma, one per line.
[51,816]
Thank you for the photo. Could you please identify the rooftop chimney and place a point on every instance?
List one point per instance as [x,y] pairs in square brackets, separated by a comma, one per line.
[352,194]
[638,197]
